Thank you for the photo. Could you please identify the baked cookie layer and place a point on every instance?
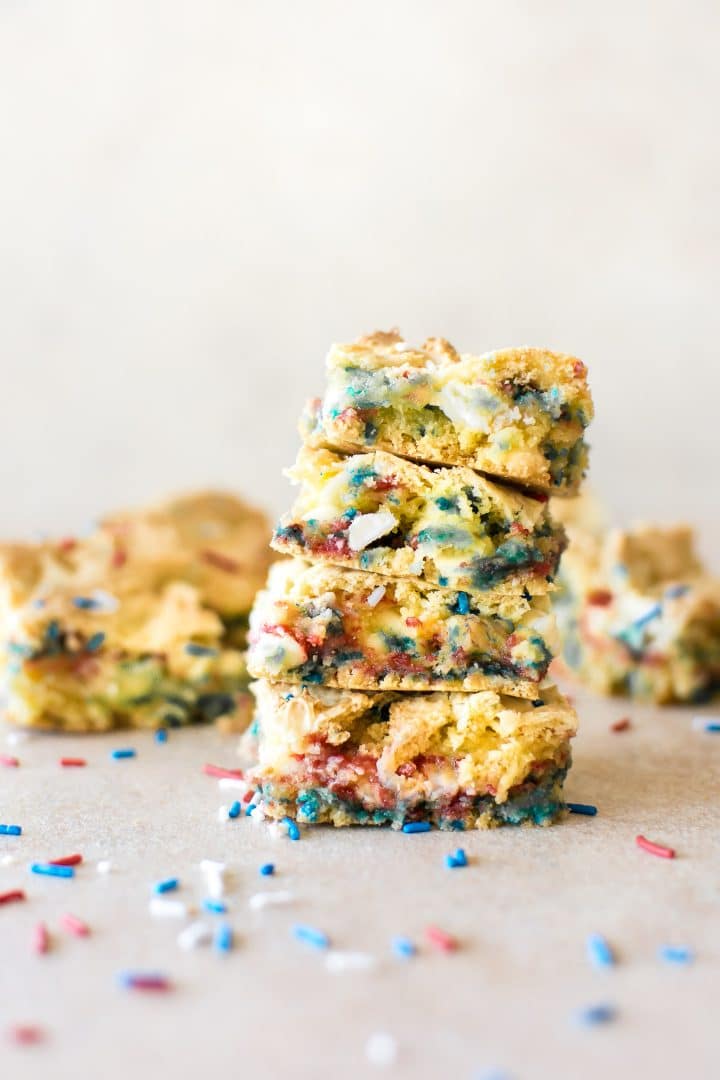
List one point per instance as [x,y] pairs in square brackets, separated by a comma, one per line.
[320,624]
[456,760]
[447,527]
[516,414]
[638,615]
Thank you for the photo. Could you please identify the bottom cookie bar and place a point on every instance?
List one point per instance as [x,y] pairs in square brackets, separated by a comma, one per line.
[455,760]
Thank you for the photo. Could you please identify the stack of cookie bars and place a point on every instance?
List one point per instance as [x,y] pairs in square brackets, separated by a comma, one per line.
[402,651]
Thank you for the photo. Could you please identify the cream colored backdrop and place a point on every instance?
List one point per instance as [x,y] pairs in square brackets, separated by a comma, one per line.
[196,198]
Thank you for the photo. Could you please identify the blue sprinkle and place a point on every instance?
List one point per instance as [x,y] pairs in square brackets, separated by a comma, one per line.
[267,869]
[599,952]
[596,1014]
[85,603]
[309,935]
[161,735]
[456,860]
[95,642]
[234,811]
[52,871]
[403,946]
[292,829]
[417,826]
[712,726]
[676,954]
[10,830]
[582,808]
[677,590]
[224,938]
[168,885]
[119,755]
[193,649]
[463,603]
[215,907]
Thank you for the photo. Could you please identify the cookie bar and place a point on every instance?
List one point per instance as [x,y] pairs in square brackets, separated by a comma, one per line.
[638,615]
[516,414]
[353,629]
[456,760]
[447,527]
[91,662]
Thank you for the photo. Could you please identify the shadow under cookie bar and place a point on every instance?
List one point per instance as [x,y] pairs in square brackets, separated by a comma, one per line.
[455,760]
[93,662]
[319,624]
[515,414]
[448,527]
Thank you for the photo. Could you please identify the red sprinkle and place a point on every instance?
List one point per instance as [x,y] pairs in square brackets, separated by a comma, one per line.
[440,939]
[14,894]
[412,620]
[67,860]
[26,1034]
[223,774]
[69,762]
[148,982]
[68,543]
[74,925]
[621,725]
[655,849]
[220,561]
[9,760]
[40,939]
[600,597]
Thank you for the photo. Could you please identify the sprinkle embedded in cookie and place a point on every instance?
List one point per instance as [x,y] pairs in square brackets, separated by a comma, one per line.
[346,628]
[446,527]
[516,414]
[456,760]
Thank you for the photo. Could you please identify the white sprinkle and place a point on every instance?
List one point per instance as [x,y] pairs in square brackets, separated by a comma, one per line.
[229,783]
[7,860]
[161,908]
[375,596]
[337,961]
[222,814]
[700,723]
[257,814]
[104,866]
[214,874]
[381,1049]
[274,829]
[368,527]
[14,738]
[105,601]
[262,900]
[197,933]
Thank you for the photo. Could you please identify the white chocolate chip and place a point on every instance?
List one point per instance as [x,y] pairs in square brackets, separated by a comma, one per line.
[368,527]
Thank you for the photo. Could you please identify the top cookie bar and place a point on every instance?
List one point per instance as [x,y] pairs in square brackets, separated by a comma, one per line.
[516,414]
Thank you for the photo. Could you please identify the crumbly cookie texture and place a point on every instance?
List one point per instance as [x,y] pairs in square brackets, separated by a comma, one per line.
[95,661]
[140,623]
[448,527]
[348,628]
[638,614]
[516,414]
[456,760]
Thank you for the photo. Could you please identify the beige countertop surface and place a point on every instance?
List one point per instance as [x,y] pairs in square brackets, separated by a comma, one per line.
[521,910]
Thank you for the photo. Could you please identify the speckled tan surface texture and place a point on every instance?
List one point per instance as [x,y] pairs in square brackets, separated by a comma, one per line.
[521,911]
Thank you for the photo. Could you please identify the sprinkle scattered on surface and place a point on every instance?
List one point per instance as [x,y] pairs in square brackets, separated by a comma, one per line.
[168,885]
[194,649]
[623,724]
[51,870]
[224,938]
[104,866]
[215,907]
[582,808]
[292,828]
[456,860]
[144,980]
[311,936]
[267,869]
[599,952]
[162,907]
[676,954]
[403,947]
[121,755]
[710,724]
[219,772]
[66,860]
[161,735]
[9,761]
[234,810]
[12,895]
[594,1015]
[655,849]
[269,899]
[417,827]
[10,830]
[338,962]
[74,925]
[214,874]
[40,939]
[26,1034]
[440,939]
[197,933]
[381,1049]
[73,762]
